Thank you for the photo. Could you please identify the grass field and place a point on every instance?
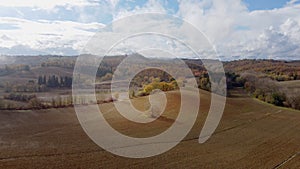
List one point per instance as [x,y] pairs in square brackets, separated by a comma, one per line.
[251,134]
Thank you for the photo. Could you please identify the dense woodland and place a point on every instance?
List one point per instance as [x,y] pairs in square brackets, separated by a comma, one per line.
[273,69]
[55,81]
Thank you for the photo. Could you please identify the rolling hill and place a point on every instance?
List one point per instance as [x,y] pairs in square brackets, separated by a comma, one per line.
[252,134]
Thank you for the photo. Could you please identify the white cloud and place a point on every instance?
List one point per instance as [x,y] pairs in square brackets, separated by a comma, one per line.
[40,4]
[44,35]
[228,24]
[152,6]
[236,31]
[113,3]
[147,27]
[292,2]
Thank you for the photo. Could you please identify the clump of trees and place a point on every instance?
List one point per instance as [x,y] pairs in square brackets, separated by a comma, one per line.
[234,80]
[8,69]
[19,97]
[55,81]
[263,88]
[33,102]
[204,82]
[273,97]
[59,61]
[268,91]
[30,86]
[158,84]
[56,102]
[5,105]
[41,85]
[294,101]
[31,99]
[150,75]
[18,67]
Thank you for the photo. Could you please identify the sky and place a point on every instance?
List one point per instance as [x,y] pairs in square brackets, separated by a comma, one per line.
[238,29]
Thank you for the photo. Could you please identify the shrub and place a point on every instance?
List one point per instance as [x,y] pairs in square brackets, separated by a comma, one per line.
[249,87]
[163,86]
[294,102]
[205,84]
[142,93]
[240,82]
[131,94]
[269,99]
[261,97]
[19,97]
[35,104]
[257,93]
[148,88]
[279,98]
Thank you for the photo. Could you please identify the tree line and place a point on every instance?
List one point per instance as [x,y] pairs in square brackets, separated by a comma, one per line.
[55,81]
[273,69]
[267,90]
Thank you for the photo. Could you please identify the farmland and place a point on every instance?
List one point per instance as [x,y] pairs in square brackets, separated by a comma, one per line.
[252,134]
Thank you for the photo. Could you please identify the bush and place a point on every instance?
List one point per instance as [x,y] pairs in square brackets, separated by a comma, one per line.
[240,82]
[148,88]
[142,93]
[205,84]
[257,93]
[163,86]
[261,97]
[279,99]
[19,97]
[35,104]
[269,99]
[294,102]
[249,87]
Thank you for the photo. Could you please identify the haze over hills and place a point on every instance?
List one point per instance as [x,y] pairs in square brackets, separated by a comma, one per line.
[31,59]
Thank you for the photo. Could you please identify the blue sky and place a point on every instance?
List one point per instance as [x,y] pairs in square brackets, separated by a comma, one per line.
[103,14]
[265,4]
[64,27]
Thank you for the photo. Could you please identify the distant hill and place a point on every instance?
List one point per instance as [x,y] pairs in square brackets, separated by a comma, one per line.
[275,69]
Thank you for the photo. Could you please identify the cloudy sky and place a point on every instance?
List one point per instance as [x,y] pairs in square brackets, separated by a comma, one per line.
[236,28]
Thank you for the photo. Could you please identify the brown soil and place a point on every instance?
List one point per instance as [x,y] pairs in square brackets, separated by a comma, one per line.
[251,134]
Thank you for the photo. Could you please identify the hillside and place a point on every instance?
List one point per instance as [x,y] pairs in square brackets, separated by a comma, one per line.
[275,69]
[252,134]
[36,74]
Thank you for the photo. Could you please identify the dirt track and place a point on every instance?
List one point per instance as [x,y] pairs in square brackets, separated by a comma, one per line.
[251,134]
